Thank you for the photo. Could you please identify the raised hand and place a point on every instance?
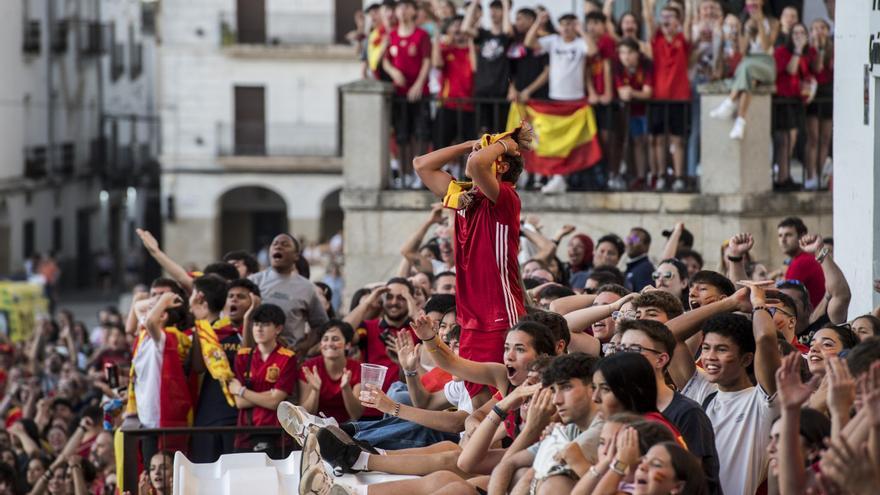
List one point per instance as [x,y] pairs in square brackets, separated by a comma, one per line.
[628,446]
[792,392]
[811,243]
[150,242]
[740,244]
[849,467]
[541,410]
[423,326]
[345,381]
[255,303]
[564,231]
[742,299]
[407,353]
[313,379]
[870,392]
[841,386]
[437,215]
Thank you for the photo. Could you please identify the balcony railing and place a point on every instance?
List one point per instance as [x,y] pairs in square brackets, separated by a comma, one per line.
[276,139]
[280,29]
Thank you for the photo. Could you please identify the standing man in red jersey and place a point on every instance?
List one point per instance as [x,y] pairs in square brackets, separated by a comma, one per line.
[489,296]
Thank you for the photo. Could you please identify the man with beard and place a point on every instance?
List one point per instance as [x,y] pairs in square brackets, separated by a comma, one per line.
[282,286]
[801,265]
[378,319]
[639,268]
[103,457]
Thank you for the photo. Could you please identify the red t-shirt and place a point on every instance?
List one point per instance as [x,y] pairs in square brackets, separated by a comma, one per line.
[457,76]
[376,353]
[639,78]
[406,54]
[436,379]
[826,75]
[488,294]
[278,371]
[671,67]
[330,398]
[805,268]
[607,50]
[789,85]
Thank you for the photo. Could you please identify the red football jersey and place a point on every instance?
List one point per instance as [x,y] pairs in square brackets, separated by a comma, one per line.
[607,51]
[330,400]
[671,67]
[407,54]
[637,80]
[277,371]
[457,76]
[488,294]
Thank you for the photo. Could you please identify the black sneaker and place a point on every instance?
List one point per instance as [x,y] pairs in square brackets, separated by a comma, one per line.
[338,449]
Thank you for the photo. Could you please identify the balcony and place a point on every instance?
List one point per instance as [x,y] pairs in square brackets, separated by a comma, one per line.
[92,36]
[32,39]
[117,61]
[136,68]
[59,37]
[286,146]
[278,29]
[66,159]
[35,160]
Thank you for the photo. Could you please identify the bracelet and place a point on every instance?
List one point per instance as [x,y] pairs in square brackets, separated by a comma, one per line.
[396,412]
[619,467]
[503,145]
[595,472]
[735,259]
[822,254]
[410,374]
[429,339]
[500,412]
[761,308]
[241,392]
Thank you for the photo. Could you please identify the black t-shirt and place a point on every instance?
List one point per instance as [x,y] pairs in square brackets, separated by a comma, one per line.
[212,408]
[696,429]
[493,68]
[525,67]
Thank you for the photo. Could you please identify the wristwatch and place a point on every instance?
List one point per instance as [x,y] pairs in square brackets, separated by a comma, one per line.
[619,467]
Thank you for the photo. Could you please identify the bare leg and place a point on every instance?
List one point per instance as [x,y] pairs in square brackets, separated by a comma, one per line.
[677,155]
[825,128]
[521,487]
[555,485]
[421,486]
[480,482]
[640,152]
[444,446]
[456,488]
[418,465]
[659,151]
[782,150]
[812,148]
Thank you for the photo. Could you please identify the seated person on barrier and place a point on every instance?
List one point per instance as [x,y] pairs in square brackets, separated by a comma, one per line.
[264,376]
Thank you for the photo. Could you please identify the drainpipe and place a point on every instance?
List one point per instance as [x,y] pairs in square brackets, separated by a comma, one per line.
[50,98]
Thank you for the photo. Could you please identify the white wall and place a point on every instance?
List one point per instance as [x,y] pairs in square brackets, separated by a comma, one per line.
[856,169]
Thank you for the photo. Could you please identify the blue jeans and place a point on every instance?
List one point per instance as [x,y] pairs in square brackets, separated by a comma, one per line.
[398,391]
[391,433]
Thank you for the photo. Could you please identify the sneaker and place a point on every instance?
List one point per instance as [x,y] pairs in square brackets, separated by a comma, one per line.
[556,185]
[679,185]
[827,171]
[811,184]
[297,422]
[311,454]
[415,182]
[341,489]
[316,481]
[739,128]
[661,184]
[338,449]
[725,110]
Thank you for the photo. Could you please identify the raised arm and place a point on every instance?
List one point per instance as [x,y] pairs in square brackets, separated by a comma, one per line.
[175,271]
[671,247]
[767,357]
[479,165]
[436,52]
[792,395]
[368,308]
[408,355]
[410,249]
[837,291]
[531,39]
[588,40]
[737,247]
[546,247]
[430,166]
[648,12]
[492,374]
[467,24]
[153,324]
[567,304]
[506,25]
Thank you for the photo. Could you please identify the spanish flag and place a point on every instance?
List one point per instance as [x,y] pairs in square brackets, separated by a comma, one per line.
[565,132]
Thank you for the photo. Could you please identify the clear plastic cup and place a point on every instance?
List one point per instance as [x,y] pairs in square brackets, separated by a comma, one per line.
[372,374]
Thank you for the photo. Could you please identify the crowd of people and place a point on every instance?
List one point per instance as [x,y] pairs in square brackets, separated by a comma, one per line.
[511,366]
[456,75]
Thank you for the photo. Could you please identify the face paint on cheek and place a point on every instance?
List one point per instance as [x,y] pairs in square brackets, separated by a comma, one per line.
[660,477]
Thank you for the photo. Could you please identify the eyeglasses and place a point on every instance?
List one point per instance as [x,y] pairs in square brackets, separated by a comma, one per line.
[623,315]
[659,275]
[590,290]
[773,310]
[633,239]
[636,348]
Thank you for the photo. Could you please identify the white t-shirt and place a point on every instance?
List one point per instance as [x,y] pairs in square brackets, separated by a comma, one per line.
[742,422]
[148,380]
[567,61]
[458,396]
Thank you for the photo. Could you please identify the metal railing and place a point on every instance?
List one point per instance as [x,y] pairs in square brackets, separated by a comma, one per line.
[146,441]
[277,139]
[279,29]
[793,112]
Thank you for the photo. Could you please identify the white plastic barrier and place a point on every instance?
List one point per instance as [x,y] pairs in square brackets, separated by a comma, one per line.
[252,474]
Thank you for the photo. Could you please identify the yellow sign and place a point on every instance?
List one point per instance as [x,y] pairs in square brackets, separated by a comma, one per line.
[20,305]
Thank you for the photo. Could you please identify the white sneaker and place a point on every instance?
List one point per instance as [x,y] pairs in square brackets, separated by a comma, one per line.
[296,421]
[811,184]
[316,481]
[415,182]
[556,185]
[725,110]
[739,128]
[678,185]
[661,184]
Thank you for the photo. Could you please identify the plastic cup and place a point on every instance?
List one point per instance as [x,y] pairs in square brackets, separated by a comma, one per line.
[372,374]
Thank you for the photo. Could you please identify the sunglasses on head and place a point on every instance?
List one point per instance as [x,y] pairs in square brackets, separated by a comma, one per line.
[664,275]
[782,283]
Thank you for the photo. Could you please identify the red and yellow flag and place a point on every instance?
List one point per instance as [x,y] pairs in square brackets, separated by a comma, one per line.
[565,133]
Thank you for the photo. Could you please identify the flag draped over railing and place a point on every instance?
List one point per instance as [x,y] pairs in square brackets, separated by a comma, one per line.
[565,132]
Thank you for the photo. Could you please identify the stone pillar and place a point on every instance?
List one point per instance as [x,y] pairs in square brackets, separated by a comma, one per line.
[730,166]
[366,125]
[856,152]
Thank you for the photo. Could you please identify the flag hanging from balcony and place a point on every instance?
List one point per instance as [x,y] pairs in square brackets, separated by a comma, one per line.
[565,133]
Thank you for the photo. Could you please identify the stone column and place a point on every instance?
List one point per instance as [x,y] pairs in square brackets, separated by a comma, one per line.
[366,125]
[730,166]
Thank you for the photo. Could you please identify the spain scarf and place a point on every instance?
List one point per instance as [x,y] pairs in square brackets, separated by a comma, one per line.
[212,351]
[459,193]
